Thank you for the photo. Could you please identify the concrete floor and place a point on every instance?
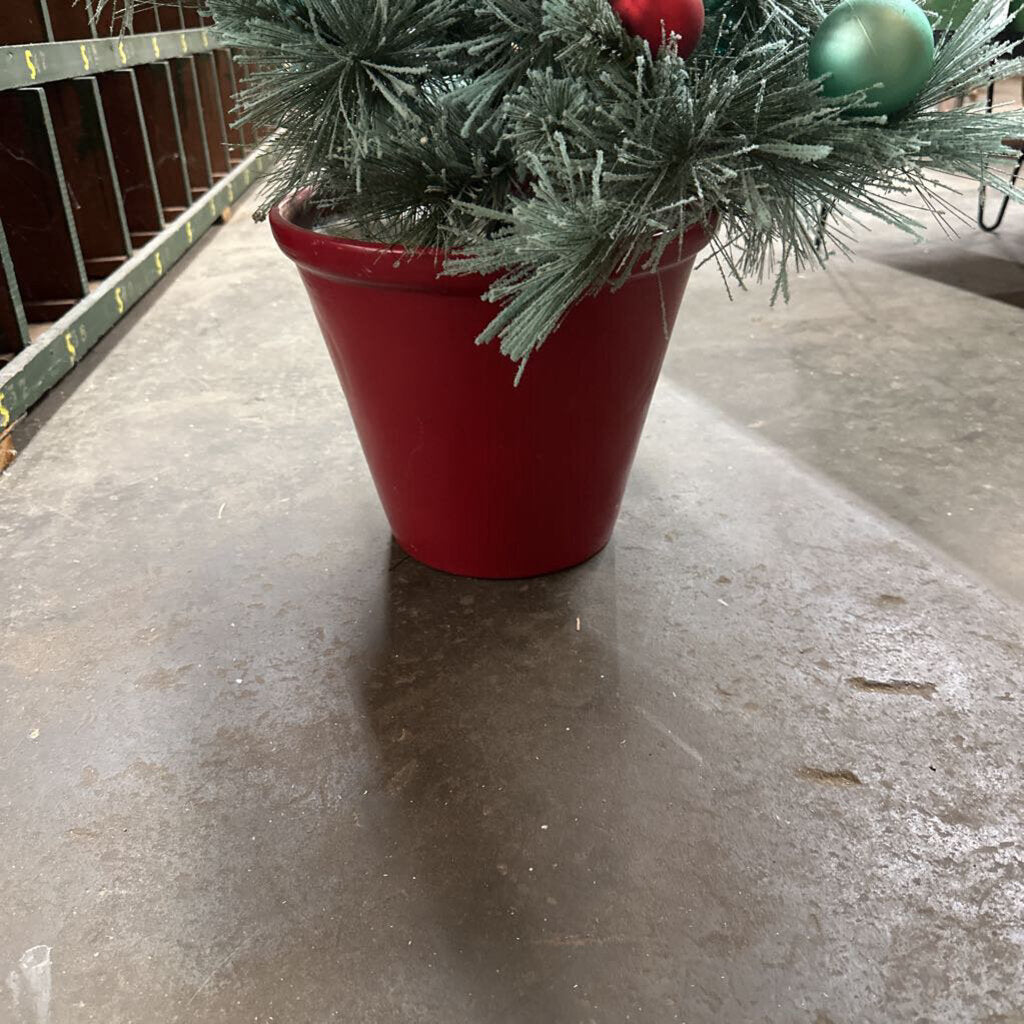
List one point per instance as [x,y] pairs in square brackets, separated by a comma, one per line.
[258,767]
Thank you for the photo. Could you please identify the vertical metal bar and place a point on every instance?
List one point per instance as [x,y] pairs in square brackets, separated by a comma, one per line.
[190,12]
[13,325]
[24,21]
[144,17]
[161,111]
[132,155]
[241,70]
[228,99]
[213,114]
[44,9]
[169,13]
[71,19]
[190,114]
[105,21]
[88,161]
[247,130]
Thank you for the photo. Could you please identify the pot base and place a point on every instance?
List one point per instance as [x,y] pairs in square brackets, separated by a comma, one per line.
[478,570]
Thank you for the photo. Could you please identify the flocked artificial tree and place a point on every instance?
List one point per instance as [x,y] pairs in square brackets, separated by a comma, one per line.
[549,141]
[567,159]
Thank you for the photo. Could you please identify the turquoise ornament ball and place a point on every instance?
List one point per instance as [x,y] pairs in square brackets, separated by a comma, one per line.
[865,43]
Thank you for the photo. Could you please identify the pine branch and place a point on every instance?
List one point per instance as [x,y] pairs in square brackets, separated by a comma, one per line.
[540,142]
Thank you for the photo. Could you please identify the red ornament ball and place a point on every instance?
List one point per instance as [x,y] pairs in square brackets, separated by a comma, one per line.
[645,18]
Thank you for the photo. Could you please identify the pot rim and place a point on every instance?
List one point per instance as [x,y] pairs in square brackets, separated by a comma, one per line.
[372,264]
[376,264]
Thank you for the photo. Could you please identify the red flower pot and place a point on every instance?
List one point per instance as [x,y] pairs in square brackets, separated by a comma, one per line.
[478,477]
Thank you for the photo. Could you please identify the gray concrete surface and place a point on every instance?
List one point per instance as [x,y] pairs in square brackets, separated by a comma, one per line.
[255,766]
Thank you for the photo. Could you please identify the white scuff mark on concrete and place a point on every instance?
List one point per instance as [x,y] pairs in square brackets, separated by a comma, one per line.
[14,988]
[669,734]
[213,973]
[31,985]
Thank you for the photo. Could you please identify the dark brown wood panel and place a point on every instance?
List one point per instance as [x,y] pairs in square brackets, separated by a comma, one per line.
[170,15]
[213,114]
[190,11]
[132,156]
[35,210]
[165,143]
[190,118]
[23,21]
[109,21]
[88,161]
[242,71]
[13,327]
[228,90]
[70,19]
[144,18]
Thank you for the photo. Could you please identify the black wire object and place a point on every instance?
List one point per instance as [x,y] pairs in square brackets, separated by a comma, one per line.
[1010,35]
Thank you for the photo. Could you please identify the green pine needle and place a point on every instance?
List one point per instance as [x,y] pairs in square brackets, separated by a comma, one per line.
[541,143]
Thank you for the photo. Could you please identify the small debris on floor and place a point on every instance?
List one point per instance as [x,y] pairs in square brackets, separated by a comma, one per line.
[829,777]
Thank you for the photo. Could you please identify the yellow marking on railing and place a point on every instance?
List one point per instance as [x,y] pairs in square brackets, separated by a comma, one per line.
[156,47]
[159,264]
[231,192]
[69,344]
[85,57]
[184,43]
[32,70]
[206,38]
[119,299]
[5,416]
[121,53]
[188,231]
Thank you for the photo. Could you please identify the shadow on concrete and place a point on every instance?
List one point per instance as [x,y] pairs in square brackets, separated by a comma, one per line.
[469,711]
[903,391]
[953,265]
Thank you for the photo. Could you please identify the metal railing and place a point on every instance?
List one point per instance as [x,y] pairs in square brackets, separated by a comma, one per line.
[117,154]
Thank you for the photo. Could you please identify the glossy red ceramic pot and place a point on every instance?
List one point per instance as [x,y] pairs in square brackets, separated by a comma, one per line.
[479,477]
